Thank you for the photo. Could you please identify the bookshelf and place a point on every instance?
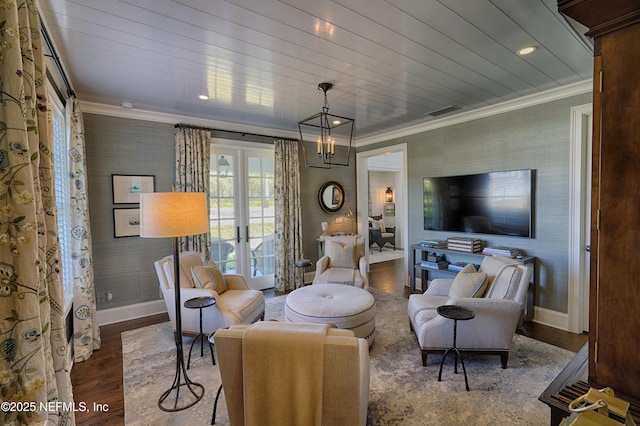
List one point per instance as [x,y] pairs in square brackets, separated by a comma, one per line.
[420,252]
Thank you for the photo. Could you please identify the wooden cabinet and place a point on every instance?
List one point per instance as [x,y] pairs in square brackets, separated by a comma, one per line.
[614,311]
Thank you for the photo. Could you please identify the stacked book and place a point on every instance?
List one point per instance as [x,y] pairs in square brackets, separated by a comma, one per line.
[456,267]
[441,244]
[442,264]
[469,245]
[502,251]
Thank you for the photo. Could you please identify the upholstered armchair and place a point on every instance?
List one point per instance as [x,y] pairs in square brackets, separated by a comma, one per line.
[381,234]
[236,302]
[293,373]
[344,262]
[496,293]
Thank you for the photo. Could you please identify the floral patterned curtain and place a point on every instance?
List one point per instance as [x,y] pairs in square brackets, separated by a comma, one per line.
[86,335]
[193,159]
[33,346]
[288,227]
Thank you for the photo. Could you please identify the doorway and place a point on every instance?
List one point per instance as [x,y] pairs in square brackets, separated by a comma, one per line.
[580,217]
[242,212]
[392,161]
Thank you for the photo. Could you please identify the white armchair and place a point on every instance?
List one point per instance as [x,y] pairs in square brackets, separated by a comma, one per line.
[498,311]
[236,302]
[344,262]
[272,374]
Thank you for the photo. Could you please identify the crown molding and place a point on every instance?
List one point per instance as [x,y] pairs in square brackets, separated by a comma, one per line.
[161,117]
[507,106]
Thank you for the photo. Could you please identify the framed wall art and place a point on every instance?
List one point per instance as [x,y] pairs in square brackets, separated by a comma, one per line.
[126,222]
[127,188]
[390,209]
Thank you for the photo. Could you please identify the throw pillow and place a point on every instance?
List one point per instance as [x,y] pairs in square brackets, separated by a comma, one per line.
[209,277]
[468,284]
[468,268]
[342,255]
[378,224]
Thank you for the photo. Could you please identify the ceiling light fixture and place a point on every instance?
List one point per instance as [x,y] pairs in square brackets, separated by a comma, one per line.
[203,97]
[322,130]
[527,50]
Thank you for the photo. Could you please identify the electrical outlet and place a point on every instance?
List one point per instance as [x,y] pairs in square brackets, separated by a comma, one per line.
[109,297]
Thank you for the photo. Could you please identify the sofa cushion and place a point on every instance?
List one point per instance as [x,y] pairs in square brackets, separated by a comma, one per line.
[342,255]
[468,284]
[241,304]
[209,277]
[348,276]
[505,284]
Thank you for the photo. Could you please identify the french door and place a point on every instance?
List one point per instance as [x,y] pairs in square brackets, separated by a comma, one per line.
[242,212]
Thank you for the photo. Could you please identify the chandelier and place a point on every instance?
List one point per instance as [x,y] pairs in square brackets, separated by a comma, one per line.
[328,136]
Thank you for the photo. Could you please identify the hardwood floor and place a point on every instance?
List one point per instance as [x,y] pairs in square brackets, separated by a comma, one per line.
[99,380]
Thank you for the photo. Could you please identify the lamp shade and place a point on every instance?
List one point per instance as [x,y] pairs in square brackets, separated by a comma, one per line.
[173,214]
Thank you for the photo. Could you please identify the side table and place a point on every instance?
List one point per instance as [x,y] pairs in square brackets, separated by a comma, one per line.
[200,303]
[456,313]
[302,263]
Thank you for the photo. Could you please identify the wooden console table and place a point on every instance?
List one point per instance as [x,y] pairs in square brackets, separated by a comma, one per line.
[570,384]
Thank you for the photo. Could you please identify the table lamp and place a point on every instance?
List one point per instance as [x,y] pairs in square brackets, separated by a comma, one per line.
[174,215]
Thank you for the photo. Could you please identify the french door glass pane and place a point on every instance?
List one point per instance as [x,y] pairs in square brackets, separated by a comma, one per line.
[260,179]
[222,211]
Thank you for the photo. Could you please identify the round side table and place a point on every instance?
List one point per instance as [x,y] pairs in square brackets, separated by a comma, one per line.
[200,303]
[456,313]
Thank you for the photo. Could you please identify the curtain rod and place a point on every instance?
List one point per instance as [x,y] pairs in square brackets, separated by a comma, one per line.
[191,126]
[56,58]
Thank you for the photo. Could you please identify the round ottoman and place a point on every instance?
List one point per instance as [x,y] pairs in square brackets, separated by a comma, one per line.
[346,307]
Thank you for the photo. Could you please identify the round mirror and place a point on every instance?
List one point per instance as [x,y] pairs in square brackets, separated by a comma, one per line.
[331,197]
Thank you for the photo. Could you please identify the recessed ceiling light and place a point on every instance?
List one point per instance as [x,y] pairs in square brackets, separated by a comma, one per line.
[527,50]
[203,97]
[336,122]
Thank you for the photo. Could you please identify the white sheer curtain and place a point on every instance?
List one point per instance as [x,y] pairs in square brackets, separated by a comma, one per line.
[86,333]
[288,226]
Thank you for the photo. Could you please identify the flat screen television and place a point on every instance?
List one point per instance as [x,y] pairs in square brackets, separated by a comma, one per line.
[488,203]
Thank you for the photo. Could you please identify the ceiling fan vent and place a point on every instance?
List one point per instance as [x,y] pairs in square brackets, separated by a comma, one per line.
[442,111]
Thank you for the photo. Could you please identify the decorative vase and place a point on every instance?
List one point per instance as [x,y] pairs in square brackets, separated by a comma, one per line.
[325,228]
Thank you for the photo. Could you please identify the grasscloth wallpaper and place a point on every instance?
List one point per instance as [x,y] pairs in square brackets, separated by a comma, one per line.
[536,137]
[531,138]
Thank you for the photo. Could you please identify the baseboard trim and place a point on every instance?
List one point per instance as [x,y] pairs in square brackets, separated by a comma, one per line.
[130,312]
[551,318]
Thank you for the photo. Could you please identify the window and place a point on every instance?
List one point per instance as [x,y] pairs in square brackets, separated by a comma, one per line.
[61,168]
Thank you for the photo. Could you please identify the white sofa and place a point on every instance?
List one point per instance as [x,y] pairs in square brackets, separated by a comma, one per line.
[236,302]
[343,262]
[498,310]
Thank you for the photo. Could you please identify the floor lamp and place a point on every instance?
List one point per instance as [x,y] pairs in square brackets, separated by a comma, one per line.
[174,215]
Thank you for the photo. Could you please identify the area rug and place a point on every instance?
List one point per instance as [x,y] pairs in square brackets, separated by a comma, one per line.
[377,256]
[402,391]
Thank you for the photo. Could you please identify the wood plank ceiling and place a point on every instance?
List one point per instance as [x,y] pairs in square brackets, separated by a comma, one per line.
[391,61]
